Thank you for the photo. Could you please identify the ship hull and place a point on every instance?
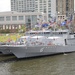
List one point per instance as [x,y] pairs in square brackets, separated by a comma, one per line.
[5,50]
[32,51]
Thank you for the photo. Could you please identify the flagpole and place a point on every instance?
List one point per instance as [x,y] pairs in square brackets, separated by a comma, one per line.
[55,20]
[70,24]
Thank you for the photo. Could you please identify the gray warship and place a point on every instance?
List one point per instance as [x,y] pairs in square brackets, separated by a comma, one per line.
[60,41]
[43,42]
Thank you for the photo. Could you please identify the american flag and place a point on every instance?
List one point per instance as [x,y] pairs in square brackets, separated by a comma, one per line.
[53,21]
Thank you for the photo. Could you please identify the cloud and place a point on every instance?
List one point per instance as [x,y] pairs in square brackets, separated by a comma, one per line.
[4,5]
[74,5]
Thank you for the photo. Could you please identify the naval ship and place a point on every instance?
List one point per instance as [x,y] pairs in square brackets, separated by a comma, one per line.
[4,46]
[5,50]
[60,41]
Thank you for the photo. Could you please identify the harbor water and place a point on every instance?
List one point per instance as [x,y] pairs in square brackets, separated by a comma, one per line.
[61,64]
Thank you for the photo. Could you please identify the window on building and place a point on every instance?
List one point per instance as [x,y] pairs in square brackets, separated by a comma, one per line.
[44,10]
[8,18]
[1,18]
[19,26]
[49,5]
[3,26]
[14,18]
[49,15]
[21,17]
[40,1]
[49,0]
[13,27]
[7,27]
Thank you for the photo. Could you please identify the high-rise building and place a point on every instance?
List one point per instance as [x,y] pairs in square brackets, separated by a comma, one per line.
[44,6]
[50,7]
[13,5]
[23,5]
[65,7]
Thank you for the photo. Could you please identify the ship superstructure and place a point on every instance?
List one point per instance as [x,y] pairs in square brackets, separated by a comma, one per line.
[60,41]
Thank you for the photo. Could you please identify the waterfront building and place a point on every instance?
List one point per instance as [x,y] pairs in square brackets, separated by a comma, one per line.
[14,20]
[44,6]
[23,5]
[65,7]
[28,12]
[61,8]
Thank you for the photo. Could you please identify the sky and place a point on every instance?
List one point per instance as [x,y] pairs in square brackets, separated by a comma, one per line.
[5,5]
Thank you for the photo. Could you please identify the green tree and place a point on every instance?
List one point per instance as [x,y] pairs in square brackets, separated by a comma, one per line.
[22,29]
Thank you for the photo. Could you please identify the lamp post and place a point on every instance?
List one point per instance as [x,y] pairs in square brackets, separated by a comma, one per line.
[42,17]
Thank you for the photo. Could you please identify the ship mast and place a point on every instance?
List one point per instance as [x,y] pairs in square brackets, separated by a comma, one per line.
[71,21]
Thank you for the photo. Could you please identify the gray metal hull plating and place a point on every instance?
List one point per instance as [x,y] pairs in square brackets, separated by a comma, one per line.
[4,50]
[24,51]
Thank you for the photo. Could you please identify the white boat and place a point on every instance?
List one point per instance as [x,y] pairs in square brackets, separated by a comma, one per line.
[59,42]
